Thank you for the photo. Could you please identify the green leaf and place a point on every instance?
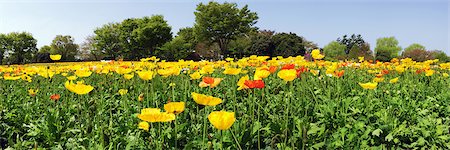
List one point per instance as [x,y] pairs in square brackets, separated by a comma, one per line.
[377,132]
[389,137]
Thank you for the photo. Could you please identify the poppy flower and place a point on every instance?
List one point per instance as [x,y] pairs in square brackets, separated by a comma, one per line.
[339,73]
[55,97]
[55,57]
[143,125]
[316,54]
[123,91]
[155,115]
[221,120]
[205,99]
[261,74]
[429,72]
[395,80]
[141,97]
[174,107]
[301,70]
[32,92]
[232,71]
[259,84]
[287,75]
[83,73]
[196,75]
[145,75]
[241,82]
[78,88]
[288,66]
[378,79]
[369,85]
[128,76]
[209,81]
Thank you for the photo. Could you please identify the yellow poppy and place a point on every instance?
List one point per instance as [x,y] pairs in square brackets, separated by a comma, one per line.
[260,74]
[123,70]
[144,125]
[205,99]
[155,115]
[55,57]
[78,88]
[395,80]
[429,72]
[128,76]
[32,92]
[369,85]
[221,120]
[174,107]
[71,78]
[196,75]
[83,73]
[287,75]
[316,54]
[145,75]
[241,82]
[232,71]
[123,91]
[376,79]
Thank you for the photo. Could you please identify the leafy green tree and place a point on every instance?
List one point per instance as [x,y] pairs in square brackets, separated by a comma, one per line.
[141,36]
[222,23]
[351,41]
[65,46]
[262,43]
[388,45]
[3,46]
[180,46]
[437,54]
[334,50]
[45,49]
[88,50]
[107,40]
[20,47]
[415,46]
[288,44]
[240,46]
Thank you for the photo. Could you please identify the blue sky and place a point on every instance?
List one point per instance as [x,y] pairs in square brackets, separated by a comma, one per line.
[321,21]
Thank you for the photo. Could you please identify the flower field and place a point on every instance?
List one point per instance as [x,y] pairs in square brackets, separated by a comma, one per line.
[255,102]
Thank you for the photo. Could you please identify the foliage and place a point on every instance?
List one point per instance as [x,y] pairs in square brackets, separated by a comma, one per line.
[442,56]
[334,50]
[418,55]
[351,41]
[107,40]
[288,44]
[414,46]
[360,51]
[221,23]
[387,45]
[88,50]
[64,46]
[19,47]
[45,49]
[180,46]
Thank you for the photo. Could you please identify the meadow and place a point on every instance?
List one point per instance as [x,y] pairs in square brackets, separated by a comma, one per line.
[255,102]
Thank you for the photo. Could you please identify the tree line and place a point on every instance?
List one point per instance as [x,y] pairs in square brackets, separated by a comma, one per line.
[220,30]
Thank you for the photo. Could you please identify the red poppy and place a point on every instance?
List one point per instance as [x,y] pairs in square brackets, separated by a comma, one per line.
[385,71]
[55,97]
[208,80]
[195,68]
[339,73]
[288,66]
[419,71]
[259,84]
[301,70]
[272,69]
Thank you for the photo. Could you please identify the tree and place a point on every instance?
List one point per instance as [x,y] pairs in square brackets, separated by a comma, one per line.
[334,50]
[45,49]
[414,46]
[180,46]
[88,50]
[288,44]
[20,47]
[437,54]
[262,43]
[351,41]
[3,48]
[388,45]
[222,23]
[107,40]
[133,38]
[417,55]
[64,46]
[141,36]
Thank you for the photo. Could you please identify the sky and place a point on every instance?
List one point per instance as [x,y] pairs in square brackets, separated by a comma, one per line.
[411,21]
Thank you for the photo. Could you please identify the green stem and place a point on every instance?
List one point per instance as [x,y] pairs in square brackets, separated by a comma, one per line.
[237,143]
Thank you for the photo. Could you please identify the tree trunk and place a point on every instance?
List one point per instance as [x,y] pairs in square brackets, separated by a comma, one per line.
[223,45]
